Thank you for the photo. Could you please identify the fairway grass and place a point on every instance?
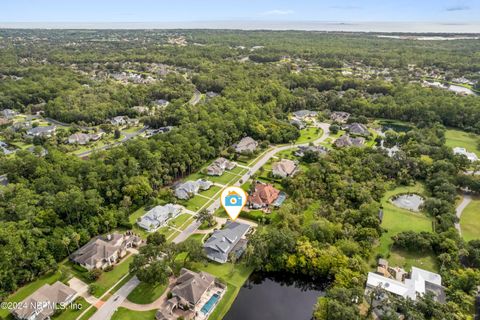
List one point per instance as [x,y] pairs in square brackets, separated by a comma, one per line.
[470,221]
[457,138]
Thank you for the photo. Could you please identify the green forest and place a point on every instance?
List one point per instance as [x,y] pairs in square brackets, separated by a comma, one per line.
[55,203]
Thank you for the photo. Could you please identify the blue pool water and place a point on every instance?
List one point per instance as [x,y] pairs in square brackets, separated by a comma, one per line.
[207,307]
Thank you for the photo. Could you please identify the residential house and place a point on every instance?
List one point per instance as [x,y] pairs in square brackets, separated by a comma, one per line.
[161,103]
[193,291]
[340,116]
[46,132]
[4,121]
[218,167]
[284,168]
[408,285]
[4,148]
[17,126]
[118,121]
[142,110]
[264,196]
[305,114]
[358,129]
[38,150]
[8,113]
[347,141]
[101,252]
[3,180]
[298,123]
[211,94]
[132,122]
[188,189]
[471,156]
[300,152]
[84,138]
[229,240]
[43,303]
[158,216]
[247,144]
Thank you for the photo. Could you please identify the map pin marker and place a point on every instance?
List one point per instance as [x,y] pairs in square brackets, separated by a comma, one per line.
[233,200]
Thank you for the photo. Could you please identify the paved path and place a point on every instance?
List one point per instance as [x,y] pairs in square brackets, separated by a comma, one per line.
[111,305]
[467,198]
[269,154]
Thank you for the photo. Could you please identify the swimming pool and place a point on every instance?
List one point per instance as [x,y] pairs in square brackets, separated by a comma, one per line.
[208,306]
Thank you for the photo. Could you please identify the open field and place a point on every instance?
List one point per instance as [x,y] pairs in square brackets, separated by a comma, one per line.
[457,138]
[470,221]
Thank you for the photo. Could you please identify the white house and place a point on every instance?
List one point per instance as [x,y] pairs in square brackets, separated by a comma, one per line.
[158,216]
[462,151]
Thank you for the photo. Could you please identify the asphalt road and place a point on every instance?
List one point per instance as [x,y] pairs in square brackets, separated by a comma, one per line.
[465,202]
[111,305]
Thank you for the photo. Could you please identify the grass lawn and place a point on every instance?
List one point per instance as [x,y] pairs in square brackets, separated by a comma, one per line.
[309,135]
[238,170]
[72,313]
[28,289]
[89,314]
[396,220]
[470,221]
[194,203]
[108,279]
[132,129]
[180,220]
[225,178]
[197,237]
[328,143]
[408,259]
[211,192]
[125,314]
[457,138]
[145,293]
[225,304]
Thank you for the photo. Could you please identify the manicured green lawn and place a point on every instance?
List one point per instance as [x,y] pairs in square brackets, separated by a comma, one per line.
[328,143]
[194,203]
[225,178]
[238,170]
[126,314]
[408,259]
[457,138]
[108,279]
[309,135]
[28,289]
[396,220]
[145,293]
[211,192]
[470,221]
[89,313]
[180,220]
[72,313]
[197,237]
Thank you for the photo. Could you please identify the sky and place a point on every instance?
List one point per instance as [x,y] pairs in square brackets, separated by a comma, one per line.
[445,11]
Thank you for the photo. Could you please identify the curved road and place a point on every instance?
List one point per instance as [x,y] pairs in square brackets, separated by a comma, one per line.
[215,205]
[465,202]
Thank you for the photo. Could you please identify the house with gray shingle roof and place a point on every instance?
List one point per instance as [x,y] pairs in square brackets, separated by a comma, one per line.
[188,189]
[347,141]
[158,216]
[358,129]
[101,252]
[218,167]
[8,113]
[284,168]
[43,303]
[230,239]
[191,286]
[305,114]
[47,131]
[247,144]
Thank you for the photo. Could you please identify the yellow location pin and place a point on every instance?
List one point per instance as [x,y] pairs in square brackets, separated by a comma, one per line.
[233,200]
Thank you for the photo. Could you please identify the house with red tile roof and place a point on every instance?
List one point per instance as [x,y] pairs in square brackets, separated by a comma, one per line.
[263,196]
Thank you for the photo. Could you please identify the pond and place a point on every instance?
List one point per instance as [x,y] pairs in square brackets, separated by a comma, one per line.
[412,202]
[276,296]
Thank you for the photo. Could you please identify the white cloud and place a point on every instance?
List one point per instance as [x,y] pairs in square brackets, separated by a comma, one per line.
[278,12]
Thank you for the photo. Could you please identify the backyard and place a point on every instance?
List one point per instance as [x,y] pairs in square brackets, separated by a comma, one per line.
[309,134]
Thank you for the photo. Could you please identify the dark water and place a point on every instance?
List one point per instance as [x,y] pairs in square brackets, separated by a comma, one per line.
[278,297]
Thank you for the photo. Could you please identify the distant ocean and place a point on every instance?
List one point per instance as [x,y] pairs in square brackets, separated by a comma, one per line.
[387,27]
